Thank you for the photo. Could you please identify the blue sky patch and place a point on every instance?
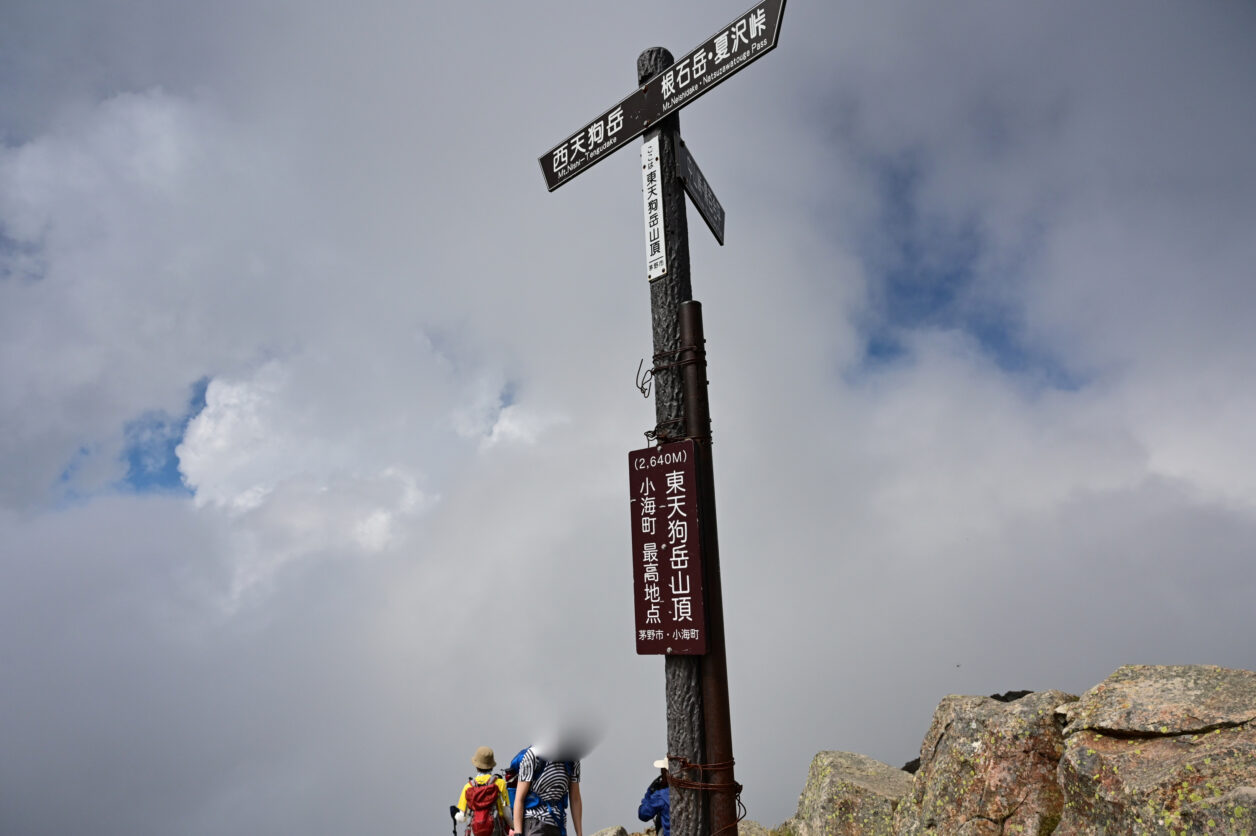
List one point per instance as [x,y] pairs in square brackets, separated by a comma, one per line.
[66,482]
[924,267]
[20,260]
[151,441]
[508,394]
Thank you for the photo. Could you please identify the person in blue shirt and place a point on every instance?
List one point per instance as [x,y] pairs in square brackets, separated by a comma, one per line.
[656,802]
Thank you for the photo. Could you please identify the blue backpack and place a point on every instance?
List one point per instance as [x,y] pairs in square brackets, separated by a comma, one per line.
[533,800]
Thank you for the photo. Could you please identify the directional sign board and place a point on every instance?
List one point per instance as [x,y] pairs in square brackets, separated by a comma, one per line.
[749,37]
[699,192]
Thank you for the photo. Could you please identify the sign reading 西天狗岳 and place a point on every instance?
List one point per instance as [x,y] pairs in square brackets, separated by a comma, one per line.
[749,37]
[666,553]
[652,195]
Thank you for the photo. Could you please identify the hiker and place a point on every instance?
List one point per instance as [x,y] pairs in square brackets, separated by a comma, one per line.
[546,780]
[656,803]
[483,798]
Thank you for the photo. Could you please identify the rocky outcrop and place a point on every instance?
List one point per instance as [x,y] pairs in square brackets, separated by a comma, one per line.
[612,831]
[987,767]
[848,795]
[1157,749]
[1151,750]
[746,827]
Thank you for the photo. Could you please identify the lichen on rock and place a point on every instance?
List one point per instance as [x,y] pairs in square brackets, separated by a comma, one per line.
[849,795]
[1162,750]
[988,767]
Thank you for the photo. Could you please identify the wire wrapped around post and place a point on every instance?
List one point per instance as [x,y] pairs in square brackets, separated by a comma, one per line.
[674,779]
[645,380]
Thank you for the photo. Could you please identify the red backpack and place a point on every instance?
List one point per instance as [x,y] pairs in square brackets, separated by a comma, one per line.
[482,801]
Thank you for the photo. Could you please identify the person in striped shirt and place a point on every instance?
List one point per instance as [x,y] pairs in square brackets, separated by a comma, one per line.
[552,781]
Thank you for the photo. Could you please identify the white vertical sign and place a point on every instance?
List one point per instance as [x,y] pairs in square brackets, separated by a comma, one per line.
[651,190]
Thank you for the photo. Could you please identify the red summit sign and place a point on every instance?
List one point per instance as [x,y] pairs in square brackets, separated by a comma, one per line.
[666,552]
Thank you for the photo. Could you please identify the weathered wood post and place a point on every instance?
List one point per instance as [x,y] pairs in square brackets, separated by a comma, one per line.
[683,674]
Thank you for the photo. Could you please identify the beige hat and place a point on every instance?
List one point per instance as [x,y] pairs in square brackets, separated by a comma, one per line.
[483,758]
[661,764]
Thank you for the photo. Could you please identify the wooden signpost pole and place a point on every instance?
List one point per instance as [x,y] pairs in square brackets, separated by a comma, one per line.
[704,798]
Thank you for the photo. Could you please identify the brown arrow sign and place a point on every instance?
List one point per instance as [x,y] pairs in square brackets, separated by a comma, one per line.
[699,192]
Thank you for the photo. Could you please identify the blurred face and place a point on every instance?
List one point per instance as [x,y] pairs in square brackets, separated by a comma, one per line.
[569,742]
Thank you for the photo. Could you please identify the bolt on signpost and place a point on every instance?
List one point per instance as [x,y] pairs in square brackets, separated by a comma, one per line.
[679,603]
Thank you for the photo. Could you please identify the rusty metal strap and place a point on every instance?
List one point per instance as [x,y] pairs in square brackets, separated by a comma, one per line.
[661,435]
[643,379]
[698,353]
[707,786]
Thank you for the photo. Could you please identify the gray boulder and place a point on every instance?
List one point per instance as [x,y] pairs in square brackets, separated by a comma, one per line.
[988,766]
[612,831]
[848,795]
[1161,750]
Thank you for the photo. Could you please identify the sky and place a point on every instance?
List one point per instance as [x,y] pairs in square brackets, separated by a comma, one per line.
[315,405]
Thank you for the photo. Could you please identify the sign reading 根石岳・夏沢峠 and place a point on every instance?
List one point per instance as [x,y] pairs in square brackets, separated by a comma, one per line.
[666,550]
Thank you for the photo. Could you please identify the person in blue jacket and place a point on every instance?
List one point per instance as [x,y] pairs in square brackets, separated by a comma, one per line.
[656,802]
